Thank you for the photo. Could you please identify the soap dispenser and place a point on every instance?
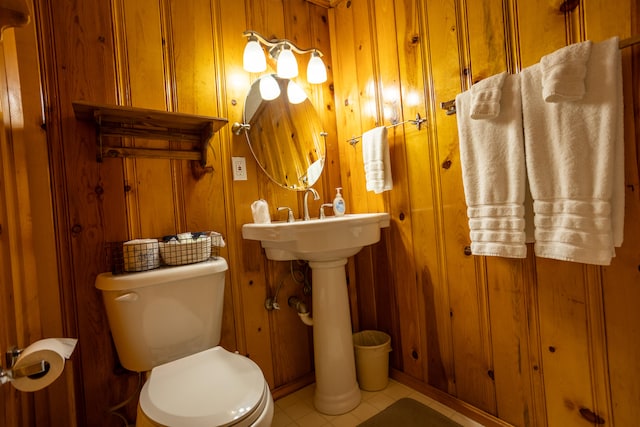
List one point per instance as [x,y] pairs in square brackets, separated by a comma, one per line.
[339,206]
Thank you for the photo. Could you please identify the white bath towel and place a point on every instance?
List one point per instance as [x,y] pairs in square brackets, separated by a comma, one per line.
[493,172]
[377,160]
[564,72]
[574,151]
[485,97]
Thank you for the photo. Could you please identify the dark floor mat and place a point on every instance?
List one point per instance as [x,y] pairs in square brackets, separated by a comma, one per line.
[409,413]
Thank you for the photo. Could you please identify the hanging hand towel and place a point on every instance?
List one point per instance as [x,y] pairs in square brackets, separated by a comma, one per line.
[485,97]
[574,153]
[493,172]
[564,72]
[377,161]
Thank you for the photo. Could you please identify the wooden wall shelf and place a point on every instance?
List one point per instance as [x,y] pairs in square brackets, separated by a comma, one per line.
[116,120]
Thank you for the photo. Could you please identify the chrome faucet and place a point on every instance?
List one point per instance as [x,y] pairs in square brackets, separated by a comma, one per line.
[316,196]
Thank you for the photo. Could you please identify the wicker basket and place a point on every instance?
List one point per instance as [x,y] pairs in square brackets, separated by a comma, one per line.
[186,252]
[146,254]
[140,255]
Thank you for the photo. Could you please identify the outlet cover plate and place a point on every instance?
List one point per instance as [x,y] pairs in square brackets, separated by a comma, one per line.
[239,168]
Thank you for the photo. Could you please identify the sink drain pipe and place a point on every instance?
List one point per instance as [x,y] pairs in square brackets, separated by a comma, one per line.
[299,305]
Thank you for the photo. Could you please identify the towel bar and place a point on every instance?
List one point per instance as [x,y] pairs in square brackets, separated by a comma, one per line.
[417,122]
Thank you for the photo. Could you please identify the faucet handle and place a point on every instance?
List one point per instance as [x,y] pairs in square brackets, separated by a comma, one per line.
[324,205]
[290,217]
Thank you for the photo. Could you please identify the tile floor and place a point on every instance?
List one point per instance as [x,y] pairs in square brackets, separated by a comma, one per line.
[297,408]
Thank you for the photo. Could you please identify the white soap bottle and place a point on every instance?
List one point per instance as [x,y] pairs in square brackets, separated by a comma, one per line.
[339,206]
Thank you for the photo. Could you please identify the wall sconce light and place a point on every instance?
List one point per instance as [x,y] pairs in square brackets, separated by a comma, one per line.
[287,66]
[253,59]
[281,50]
[316,71]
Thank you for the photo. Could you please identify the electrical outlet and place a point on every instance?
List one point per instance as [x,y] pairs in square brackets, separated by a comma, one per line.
[239,168]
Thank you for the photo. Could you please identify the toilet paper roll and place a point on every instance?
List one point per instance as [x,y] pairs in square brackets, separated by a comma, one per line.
[53,351]
[141,254]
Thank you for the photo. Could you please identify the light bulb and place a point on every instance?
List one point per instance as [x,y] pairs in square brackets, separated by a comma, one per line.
[269,88]
[295,93]
[287,67]
[253,59]
[316,71]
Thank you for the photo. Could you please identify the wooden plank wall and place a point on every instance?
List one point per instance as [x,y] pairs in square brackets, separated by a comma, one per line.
[175,56]
[535,341]
[532,342]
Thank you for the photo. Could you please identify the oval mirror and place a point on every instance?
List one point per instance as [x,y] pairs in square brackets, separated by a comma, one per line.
[284,133]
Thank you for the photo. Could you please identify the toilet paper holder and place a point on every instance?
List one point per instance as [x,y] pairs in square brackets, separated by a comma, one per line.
[33,371]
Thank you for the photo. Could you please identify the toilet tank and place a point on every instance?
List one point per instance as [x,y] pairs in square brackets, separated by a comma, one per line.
[161,315]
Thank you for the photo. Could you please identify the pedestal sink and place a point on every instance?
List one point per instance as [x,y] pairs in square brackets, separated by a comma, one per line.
[326,244]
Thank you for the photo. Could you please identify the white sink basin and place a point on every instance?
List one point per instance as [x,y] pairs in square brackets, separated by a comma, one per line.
[318,239]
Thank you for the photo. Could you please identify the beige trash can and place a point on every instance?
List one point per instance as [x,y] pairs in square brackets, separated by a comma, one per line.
[372,359]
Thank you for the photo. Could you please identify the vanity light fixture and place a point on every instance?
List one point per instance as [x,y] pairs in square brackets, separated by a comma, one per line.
[282,51]
[253,59]
[316,71]
[287,67]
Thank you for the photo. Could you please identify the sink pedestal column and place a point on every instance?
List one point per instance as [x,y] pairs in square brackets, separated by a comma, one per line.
[337,390]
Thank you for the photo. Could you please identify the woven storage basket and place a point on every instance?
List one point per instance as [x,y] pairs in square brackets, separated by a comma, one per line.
[186,252]
[140,255]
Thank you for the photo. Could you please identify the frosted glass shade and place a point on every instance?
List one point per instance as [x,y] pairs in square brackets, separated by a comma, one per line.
[295,93]
[316,71]
[269,88]
[253,59]
[287,67]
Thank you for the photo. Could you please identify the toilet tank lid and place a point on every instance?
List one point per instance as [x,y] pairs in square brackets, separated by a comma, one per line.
[120,282]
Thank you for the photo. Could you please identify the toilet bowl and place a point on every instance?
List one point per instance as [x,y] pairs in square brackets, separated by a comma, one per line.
[167,322]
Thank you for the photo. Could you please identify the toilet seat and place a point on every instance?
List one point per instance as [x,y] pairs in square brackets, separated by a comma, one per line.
[212,388]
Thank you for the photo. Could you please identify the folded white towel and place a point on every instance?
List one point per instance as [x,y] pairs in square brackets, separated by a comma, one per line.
[485,97]
[564,71]
[377,160]
[574,152]
[493,173]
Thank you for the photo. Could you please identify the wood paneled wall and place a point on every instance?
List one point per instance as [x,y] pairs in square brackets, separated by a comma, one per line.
[175,56]
[533,342]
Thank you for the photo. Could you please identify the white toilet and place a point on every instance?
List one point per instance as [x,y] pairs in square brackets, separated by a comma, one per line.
[168,321]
